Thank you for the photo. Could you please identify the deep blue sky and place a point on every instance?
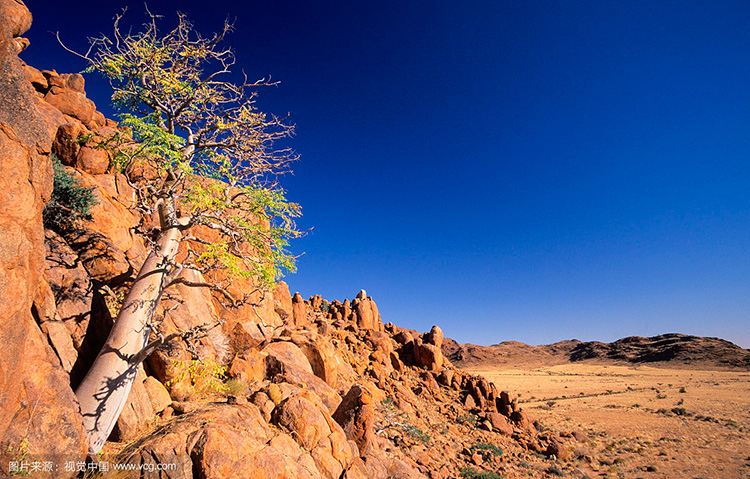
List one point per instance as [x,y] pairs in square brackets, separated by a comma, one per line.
[531,171]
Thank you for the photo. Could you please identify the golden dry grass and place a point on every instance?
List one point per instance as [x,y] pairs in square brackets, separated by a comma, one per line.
[642,422]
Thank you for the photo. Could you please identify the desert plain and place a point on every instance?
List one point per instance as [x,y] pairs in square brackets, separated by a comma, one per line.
[638,421]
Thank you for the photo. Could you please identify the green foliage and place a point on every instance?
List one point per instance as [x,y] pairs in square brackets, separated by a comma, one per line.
[388,403]
[554,470]
[491,448]
[205,145]
[19,456]
[468,472]
[70,202]
[466,419]
[154,142]
[206,376]
[417,434]
[325,306]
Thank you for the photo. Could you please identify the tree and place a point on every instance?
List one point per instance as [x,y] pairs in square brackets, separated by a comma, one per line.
[202,159]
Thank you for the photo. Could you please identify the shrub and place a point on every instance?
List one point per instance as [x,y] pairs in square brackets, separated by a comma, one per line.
[554,470]
[469,418]
[206,376]
[471,473]
[417,434]
[70,202]
[491,448]
[235,387]
[388,403]
[325,306]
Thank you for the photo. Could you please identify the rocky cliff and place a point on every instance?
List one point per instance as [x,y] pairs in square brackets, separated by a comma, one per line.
[282,387]
[39,412]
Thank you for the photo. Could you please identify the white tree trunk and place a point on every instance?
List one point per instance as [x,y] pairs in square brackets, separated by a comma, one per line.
[104,391]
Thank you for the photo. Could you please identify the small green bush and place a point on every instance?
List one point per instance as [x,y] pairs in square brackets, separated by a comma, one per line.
[471,473]
[417,434]
[325,306]
[464,419]
[483,446]
[70,202]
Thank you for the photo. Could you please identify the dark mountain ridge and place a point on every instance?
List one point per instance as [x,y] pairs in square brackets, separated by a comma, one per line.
[673,349]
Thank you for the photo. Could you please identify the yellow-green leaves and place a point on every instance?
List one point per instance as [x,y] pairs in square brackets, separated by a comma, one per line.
[199,143]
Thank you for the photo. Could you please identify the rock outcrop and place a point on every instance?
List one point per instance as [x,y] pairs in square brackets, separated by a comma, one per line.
[36,402]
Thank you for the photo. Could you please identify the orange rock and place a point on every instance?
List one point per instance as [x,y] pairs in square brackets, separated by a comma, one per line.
[66,144]
[71,103]
[74,82]
[286,362]
[92,160]
[36,403]
[248,366]
[435,337]
[157,394]
[51,117]
[500,423]
[325,361]
[428,356]
[314,429]
[35,77]
[17,17]
[282,298]
[356,416]
[363,316]
[136,414]
[299,311]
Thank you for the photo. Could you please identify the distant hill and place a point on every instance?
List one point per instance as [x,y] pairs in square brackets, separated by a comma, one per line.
[674,350]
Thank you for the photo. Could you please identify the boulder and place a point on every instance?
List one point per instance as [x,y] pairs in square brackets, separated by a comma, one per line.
[17,17]
[66,144]
[435,337]
[57,334]
[446,377]
[71,103]
[356,416]
[283,299]
[157,394]
[287,363]
[500,423]
[363,314]
[51,117]
[325,361]
[92,160]
[427,356]
[557,448]
[299,311]
[74,82]
[35,77]
[248,366]
[314,429]
[222,440]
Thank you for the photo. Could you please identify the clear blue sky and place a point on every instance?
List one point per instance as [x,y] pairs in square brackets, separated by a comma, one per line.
[531,171]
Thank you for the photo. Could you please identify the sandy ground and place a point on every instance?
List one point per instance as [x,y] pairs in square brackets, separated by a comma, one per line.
[640,422]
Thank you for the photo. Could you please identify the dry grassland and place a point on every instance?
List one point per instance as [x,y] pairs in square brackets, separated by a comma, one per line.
[640,422]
